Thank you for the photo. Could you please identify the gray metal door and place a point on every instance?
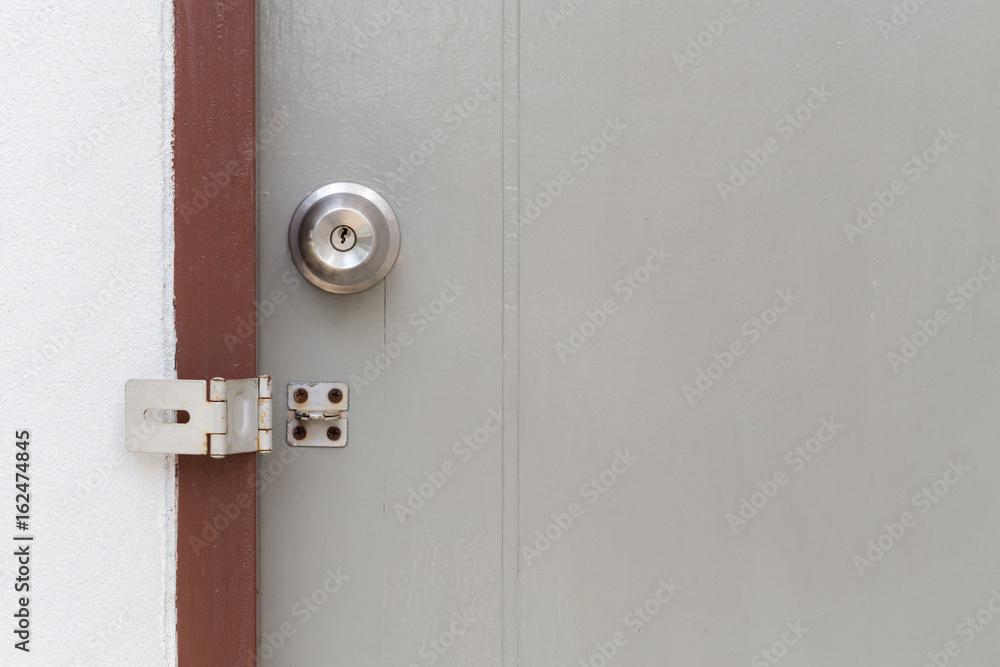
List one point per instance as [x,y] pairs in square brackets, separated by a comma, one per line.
[690,353]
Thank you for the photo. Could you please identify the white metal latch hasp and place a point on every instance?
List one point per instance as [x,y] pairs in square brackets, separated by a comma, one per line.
[214,418]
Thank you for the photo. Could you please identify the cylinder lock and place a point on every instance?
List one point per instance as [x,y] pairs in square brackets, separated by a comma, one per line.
[344,238]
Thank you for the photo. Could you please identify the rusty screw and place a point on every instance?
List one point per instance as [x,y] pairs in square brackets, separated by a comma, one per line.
[333,433]
[335,396]
[300,395]
[299,432]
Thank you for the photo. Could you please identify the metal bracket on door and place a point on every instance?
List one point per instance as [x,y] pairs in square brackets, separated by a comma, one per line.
[317,414]
[215,418]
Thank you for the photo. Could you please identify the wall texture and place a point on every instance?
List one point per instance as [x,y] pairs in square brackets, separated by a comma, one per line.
[85,304]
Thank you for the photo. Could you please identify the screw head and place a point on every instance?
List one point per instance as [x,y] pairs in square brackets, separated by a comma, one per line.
[299,432]
[300,395]
[333,433]
[335,396]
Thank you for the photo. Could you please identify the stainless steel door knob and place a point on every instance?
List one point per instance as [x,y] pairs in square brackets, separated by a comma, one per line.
[344,238]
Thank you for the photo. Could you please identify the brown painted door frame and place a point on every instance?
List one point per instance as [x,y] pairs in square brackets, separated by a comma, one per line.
[215,274]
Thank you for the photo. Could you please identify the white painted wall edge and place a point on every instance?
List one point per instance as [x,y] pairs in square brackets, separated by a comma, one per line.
[86,251]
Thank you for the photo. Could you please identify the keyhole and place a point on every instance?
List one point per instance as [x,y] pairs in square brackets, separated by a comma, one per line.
[343,238]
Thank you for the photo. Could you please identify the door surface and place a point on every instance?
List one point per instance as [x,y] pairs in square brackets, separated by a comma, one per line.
[690,353]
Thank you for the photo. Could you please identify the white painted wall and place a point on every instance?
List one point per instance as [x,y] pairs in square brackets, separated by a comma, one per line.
[85,304]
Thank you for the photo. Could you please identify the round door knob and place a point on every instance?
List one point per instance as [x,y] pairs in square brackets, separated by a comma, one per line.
[344,238]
